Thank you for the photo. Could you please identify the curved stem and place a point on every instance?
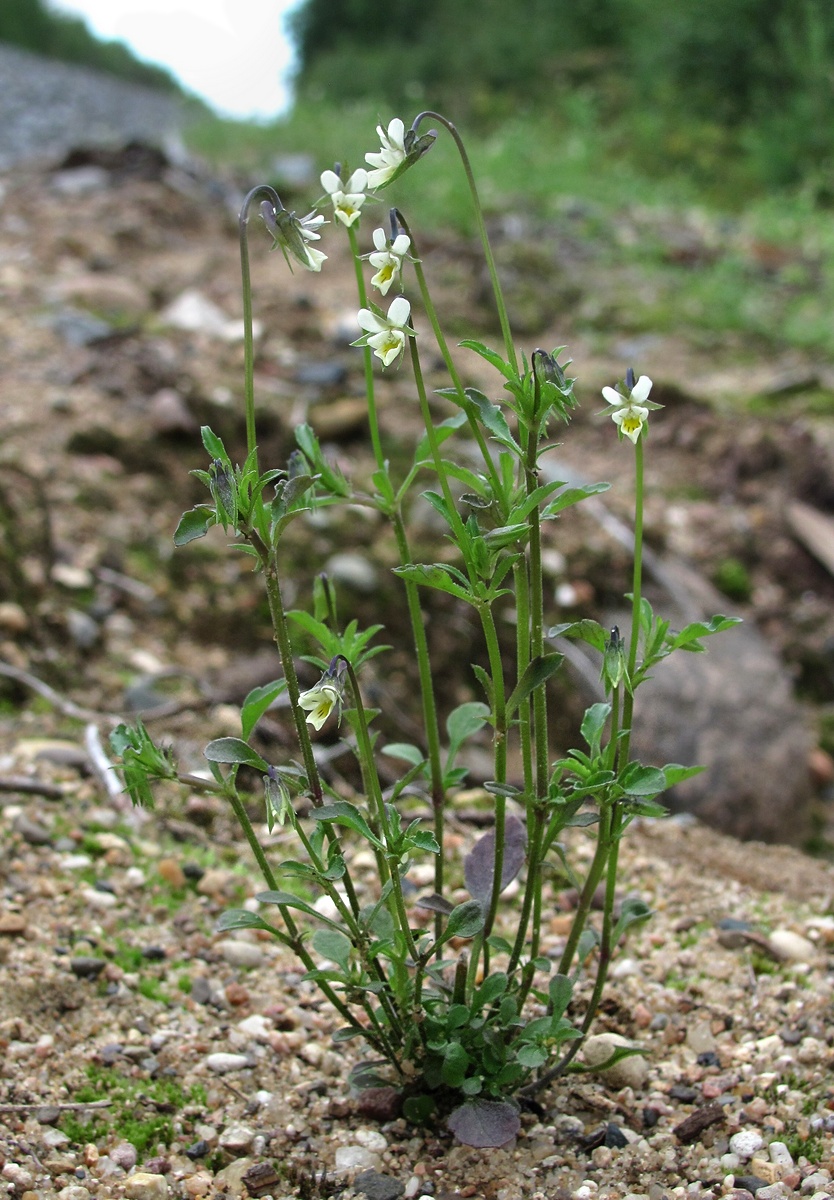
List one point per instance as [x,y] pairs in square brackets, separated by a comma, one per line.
[482,230]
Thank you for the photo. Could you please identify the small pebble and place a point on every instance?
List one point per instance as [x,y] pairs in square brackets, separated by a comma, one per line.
[745,1143]
[85,967]
[146,1186]
[124,1155]
[238,953]
[792,945]
[237,1139]
[221,1063]
[348,1158]
[629,1072]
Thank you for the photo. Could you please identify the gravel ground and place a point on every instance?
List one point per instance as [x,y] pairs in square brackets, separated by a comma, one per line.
[114,980]
[48,108]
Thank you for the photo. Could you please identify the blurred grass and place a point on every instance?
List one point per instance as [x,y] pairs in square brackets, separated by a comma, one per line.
[688,246]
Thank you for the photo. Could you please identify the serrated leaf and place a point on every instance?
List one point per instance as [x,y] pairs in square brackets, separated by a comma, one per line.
[485,1123]
[585,630]
[531,1056]
[435,576]
[479,864]
[194,524]
[637,780]
[423,839]
[593,724]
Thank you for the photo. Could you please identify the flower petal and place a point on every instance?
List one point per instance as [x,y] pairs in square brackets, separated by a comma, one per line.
[370,322]
[380,240]
[400,310]
[612,396]
[358,181]
[331,182]
[641,389]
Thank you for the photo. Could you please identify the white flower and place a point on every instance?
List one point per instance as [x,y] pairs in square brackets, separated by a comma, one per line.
[319,702]
[348,196]
[293,235]
[388,160]
[631,412]
[386,334]
[388,259]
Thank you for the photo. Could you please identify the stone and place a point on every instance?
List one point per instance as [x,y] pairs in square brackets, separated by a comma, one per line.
[239,953]
[352,570]
[793,946]
[780,1154]
[733,709]
[171,871]
[222,1063]
[378,1187]
[349,1158]
[12,924]
[260,1178]
[86,967]
[629,1072]
[256,1027]
[13,617]
[745,1143]
[145,1186]
[124,1155]
[31,831]
[237,1139]
[168,413]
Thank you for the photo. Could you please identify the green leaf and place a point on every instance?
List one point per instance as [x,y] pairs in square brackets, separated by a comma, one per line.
[455,1065]
[288,900]
[423,840]
[257,702]
[464,721]
[492,419]
[437,576]
[492,987]
[688,638]
[464,921]
[333,945]
[194,524]
[419,1110]
[241,918]
[572,495]
[593,724]
[584,631]
[491,357]
[633,912]
[234,750]
[535,674]
[213,445]
[637,780]
[531,1056]
[345,813]
[411,754]
[560,989]
[457,1016]
[676,774]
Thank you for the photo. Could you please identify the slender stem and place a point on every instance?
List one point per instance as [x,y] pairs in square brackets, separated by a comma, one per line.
[636,597]
[443,346]
[482,231]
[434,447]
[500,769]
[595,873]
[367,354]
[282,640]
[367,754]
[522,643]
[248,340]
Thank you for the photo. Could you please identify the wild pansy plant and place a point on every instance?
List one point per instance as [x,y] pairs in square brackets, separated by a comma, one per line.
[458,1002]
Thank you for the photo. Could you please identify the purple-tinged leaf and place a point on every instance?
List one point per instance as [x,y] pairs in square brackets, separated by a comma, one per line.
[485,1123]
[435,903]
[479,864]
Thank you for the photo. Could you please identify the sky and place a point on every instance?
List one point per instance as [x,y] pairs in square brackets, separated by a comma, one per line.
[234,54]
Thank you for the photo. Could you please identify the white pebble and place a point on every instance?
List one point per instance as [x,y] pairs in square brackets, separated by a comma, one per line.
[241,954]
[371,1139]
[97,899]
[745,1143]
[222,1063]
[144,1186]
[256,1026]
[349,1158]
[780,1154]
[811,1050]
[629,1072]
[793,945]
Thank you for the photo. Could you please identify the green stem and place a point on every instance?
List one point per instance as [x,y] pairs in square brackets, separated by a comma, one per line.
[434,446]
[367,355]
[482,231]
[636,596]
[367,755]
[248,340]
[282,640]
[431,312]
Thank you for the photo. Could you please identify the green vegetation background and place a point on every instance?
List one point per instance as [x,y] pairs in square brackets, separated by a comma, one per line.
[691,142]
